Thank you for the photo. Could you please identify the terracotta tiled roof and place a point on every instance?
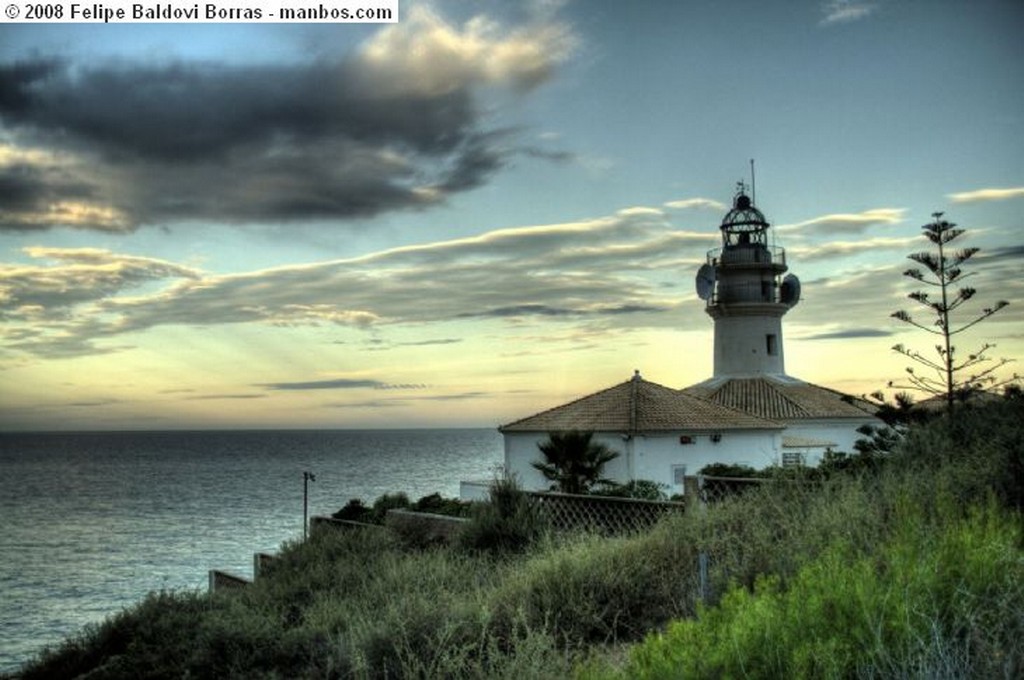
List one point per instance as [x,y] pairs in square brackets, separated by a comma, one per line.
[638,406]
[783,399]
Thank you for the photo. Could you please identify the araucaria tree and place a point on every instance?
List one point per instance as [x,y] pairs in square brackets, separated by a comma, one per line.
[947,376]
[573,461]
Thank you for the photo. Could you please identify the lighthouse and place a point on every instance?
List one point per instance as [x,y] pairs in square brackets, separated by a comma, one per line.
[750,412]
[747,292]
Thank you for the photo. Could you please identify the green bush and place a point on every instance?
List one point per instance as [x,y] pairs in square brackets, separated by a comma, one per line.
[506,523]
[354,511]
[437,504]
[848,613]
[643,489]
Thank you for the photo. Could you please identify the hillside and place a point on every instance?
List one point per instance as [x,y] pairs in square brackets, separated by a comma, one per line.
[909,564]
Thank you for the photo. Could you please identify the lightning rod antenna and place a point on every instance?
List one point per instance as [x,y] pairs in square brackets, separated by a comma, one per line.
[753,184]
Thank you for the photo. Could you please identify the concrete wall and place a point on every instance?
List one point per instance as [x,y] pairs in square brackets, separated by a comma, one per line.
[660,458]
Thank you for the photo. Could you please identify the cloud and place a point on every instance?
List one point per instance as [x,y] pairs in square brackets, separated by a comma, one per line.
[545,310]
[380,345]
[700,203]
[625,271]
[209,397]
[849,333]
[83,275]
[334,384]
[398,124]
[402,401]
[847,223]
[1011,253]
[338,384]
[845,11]
[607,268]
[839,249]
[986,195]
[424,55]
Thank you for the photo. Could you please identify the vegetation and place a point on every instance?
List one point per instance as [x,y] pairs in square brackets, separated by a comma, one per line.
[643,489]
[573,461]
[356,511]
[948,377]
[508,522]
[913,567]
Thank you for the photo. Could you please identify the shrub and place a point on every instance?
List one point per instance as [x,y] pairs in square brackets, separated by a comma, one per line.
[506,522]
[948,596]
[728,470]
[643,489]
[389,501]
[437,504]
[354,511]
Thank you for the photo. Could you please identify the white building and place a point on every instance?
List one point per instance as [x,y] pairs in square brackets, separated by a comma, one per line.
[749,412]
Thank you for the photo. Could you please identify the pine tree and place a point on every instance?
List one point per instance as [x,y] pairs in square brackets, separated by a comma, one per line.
[948,377]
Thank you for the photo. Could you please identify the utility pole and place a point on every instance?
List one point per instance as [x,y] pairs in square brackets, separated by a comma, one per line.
[307,477]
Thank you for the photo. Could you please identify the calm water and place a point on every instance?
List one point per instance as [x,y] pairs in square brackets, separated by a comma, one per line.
[91,522]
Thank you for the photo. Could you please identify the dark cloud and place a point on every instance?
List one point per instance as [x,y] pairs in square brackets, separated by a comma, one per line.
[94,402]
[545,310]
[1004,253]
[340,384]
[850,333]
[380,345]
[117,145]
[335,384]
[208,397]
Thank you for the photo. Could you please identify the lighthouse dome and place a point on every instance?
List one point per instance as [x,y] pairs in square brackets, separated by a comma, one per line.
[743,217]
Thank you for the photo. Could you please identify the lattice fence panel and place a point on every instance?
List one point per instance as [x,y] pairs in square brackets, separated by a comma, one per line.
[601,514]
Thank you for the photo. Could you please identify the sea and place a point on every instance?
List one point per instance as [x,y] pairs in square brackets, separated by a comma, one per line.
[91,522]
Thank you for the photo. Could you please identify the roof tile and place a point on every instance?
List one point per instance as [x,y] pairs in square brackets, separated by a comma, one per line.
[638,406]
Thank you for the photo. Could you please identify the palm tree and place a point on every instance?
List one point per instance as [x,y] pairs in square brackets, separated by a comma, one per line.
[573,461]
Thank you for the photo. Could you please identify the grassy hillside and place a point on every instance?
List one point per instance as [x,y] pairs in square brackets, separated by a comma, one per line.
[911,567]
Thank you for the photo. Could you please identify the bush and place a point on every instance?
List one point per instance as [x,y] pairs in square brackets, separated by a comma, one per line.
[598,590]
[389,501]
[435,503]
[354,511]
[506,522]
[643,489]
[728,470]
[948,598]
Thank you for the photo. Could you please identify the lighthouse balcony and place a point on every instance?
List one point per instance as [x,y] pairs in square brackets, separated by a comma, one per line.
[748,255]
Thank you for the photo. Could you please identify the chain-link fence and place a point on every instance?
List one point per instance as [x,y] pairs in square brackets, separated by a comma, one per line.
[600,514]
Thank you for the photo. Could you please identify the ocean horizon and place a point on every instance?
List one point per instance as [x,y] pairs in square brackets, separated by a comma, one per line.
[95,520]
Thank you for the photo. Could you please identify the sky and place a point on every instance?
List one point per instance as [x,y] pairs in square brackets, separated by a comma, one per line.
[486,209]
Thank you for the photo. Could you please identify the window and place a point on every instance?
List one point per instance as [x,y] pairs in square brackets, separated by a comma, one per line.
[678,474]
[772,344]
[792,459]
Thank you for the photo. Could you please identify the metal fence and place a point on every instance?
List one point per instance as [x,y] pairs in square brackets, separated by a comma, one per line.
[600,514]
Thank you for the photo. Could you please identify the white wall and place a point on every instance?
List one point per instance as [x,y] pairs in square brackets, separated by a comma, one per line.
[741,348]
[842,432]
[521,450]
[652,457]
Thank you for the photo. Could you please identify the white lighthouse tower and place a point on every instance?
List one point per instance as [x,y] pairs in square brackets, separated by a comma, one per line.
[746,294]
